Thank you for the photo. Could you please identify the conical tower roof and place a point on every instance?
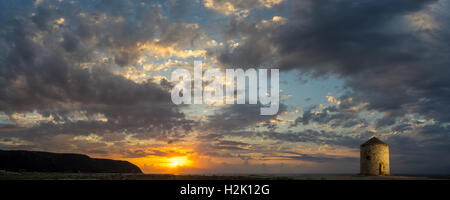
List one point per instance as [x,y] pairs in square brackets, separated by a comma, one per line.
[373,141]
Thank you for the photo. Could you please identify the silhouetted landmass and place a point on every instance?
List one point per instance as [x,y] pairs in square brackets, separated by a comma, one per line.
[36,161]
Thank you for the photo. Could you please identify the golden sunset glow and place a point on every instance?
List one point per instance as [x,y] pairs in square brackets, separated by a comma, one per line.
[168,159]
[178,161]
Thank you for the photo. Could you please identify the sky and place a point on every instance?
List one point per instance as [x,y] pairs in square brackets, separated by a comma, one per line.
[93,77]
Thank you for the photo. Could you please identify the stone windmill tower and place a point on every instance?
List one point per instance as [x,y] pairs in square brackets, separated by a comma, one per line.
[374,158]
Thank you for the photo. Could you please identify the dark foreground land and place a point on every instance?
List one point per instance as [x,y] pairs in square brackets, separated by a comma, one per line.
[4,175]
[38,161]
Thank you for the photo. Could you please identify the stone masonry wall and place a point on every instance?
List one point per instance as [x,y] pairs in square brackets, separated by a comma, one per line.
[371,158]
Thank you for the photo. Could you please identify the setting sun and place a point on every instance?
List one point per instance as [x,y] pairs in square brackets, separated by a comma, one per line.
[178,161]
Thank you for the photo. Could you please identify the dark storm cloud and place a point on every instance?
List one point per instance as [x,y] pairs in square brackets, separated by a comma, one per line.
[178,9]
[239,116]
[342,115]
[41,69]
[230,145]
[427,152]
[139,153]
[395,67]
[317,158]
[318,137]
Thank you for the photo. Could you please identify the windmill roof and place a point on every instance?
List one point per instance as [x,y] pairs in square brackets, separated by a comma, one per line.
[373,140]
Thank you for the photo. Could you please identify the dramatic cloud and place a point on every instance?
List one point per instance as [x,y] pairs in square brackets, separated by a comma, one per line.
[386,60]
[343,114]
[239,7]
[239,116]
[59,63]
